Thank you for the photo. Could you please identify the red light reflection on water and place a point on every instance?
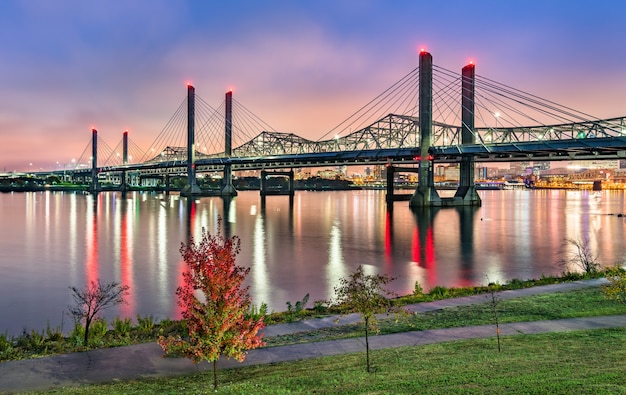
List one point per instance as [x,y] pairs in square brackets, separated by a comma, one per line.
[388,238]
[91,244]
[423,252]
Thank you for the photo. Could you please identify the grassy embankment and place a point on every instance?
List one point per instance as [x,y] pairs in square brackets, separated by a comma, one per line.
[122,332]
[575,362]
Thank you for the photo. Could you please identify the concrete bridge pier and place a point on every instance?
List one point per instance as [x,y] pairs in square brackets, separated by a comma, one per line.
[466,194]
[123,182]
[94,188]
[123,179]
[192,188]
[425,195]
[266,192]
[228,189]
[391,197]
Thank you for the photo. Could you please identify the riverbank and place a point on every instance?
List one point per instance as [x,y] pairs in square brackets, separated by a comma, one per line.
[141,361]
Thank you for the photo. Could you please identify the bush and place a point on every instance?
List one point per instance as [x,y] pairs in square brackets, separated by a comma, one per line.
[418,290]
[6,343]
[439,292]
[122,327]
[616,288]
[293,312]
[54,334]
[145,324]
[99,329]
[77,336]
[32,340]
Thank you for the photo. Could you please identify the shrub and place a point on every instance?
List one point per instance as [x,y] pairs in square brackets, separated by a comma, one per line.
[99,329]
[53,334]
[145,324]
[6,343]
[320,306]
[122,327]
[293,312]
[439,292]
[616,288]
[418,290]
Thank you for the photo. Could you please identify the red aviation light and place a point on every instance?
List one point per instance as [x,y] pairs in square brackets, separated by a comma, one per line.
[422,50]
[189,84]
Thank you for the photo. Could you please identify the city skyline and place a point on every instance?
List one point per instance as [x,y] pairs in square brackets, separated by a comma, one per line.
[302,67]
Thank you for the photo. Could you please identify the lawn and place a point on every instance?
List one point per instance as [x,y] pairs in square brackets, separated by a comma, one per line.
[582,362]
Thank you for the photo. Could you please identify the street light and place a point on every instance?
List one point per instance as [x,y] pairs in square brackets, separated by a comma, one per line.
[496,116]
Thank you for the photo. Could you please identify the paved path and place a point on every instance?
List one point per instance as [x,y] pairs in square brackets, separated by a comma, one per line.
[145,360]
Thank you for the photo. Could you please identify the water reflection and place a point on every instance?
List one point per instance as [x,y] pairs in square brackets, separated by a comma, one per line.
[293,246]
[91,240]
[335,269]
[259,268]
[467,216]
[125,254]
[423,247]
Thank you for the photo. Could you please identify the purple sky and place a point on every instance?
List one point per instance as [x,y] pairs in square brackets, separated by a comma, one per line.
[301,66]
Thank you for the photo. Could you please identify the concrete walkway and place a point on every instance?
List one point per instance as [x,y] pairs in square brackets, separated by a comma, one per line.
[146,360]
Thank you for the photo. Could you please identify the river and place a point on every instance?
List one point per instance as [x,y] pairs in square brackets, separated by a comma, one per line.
[50,241]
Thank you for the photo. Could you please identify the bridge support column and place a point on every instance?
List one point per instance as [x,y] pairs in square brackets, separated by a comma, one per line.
[192,187]
[391,196]
[95,185]
[125,148]
[228,189]
[466,194]
[123,182]
[263,184]
[425,195]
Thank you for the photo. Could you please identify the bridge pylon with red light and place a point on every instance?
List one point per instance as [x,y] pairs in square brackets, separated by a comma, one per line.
[426,195]
[192,188]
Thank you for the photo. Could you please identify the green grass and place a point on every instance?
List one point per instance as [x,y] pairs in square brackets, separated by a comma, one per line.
[572,362]
[586,302]
[580,303]
[581,362]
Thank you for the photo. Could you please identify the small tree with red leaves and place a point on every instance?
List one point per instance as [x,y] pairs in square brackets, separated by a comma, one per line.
[219,322]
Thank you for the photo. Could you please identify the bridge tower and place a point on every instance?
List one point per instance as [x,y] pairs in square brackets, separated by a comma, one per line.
[227,182]
[192,187]
[425,195]
[125,148]
[95,186]
[466,192]
[124,181]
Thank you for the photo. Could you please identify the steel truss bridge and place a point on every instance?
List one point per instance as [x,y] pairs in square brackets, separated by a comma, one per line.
[395,138]
[387,130]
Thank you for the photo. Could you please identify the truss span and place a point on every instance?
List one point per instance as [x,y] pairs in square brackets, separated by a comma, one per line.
[401,132]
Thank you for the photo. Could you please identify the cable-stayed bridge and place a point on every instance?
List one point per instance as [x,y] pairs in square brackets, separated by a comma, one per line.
[431,115]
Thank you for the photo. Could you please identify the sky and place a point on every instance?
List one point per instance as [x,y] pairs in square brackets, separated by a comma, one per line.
[301,66]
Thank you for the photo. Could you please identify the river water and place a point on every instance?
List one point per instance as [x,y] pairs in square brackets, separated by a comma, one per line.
[50,241]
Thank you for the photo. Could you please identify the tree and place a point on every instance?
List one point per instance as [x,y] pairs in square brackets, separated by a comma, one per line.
[219,322]
[366,295]
[581,255]
[96,296]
